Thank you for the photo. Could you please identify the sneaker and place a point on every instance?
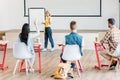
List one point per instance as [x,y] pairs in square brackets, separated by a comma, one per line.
[52,49]
[112,68]
[70,75]
[31,70]
[44,50]
[113,65]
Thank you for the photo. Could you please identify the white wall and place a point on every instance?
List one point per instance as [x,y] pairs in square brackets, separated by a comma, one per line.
[76,7]
[12,12]
[110,8]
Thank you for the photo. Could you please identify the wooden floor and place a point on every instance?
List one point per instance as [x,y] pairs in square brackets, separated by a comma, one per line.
[50,60]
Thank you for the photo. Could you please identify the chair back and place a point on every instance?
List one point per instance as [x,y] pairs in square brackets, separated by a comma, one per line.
[71,52]
[20,51]
[72,49]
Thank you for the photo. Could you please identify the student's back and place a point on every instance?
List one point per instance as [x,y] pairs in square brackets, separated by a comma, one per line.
[74,39]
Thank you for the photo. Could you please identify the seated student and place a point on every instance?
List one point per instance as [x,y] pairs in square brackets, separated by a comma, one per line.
[27,38]
[112,38]
[73,39]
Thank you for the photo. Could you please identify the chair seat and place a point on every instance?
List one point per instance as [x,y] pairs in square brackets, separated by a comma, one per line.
[71,53]
[28,56]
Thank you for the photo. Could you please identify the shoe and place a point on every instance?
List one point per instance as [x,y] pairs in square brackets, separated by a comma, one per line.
[70,75]
[113,65]
[31,70]
[52,49]
[112,68]
[44,50]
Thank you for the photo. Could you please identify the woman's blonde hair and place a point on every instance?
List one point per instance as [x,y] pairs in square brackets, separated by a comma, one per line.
[48,12]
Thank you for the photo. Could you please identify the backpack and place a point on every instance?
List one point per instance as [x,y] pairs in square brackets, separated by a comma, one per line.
[62,70]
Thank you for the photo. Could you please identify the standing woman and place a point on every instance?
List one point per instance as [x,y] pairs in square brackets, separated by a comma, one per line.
[48,31]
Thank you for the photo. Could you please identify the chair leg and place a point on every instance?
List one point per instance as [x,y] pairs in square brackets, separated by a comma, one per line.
[16,67]
[30,65]
[21,65]
[81,68]
[78,71]
[26,65]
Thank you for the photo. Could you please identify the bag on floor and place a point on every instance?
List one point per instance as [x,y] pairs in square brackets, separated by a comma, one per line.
[62,70]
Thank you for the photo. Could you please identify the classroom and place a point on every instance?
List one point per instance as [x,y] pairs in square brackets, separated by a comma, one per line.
[59,40]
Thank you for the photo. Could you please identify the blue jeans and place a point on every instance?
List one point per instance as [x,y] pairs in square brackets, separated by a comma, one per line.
[48,35]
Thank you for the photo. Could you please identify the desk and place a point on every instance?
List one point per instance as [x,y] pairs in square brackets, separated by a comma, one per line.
[99,47]
[3,46]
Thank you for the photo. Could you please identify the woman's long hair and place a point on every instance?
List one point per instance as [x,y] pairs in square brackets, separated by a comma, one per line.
[24,33]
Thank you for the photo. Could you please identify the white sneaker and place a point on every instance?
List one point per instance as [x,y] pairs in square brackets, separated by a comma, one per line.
[44,50]
[31,70]
[52,49]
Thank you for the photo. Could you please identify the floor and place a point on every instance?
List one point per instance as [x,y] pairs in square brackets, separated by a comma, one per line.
[50,60]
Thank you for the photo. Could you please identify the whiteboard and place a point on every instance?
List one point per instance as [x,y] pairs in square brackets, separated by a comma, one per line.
[38,15]
[67,7]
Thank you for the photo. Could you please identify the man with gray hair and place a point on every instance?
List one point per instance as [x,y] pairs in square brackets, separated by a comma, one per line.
[112,38]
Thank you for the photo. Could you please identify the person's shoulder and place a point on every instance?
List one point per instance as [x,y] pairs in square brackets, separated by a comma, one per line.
[109,32]
[19,35]
[68,35]
[80,36]
[49,17]
[30,35]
